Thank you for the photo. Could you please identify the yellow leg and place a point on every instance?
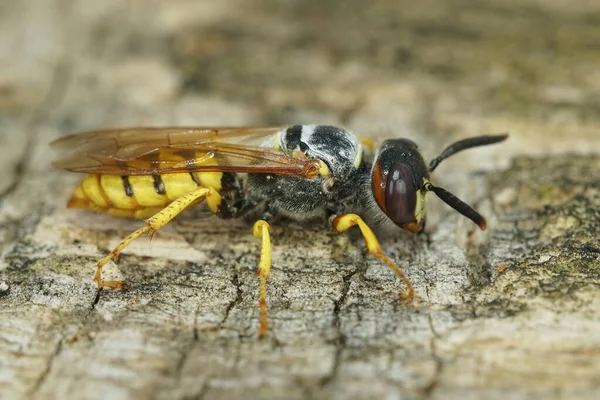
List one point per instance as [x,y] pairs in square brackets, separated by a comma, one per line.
[346,221]
[261,230]
[368,143]
[155,223]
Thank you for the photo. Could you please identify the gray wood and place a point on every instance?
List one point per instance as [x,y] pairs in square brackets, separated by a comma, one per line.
[509,313]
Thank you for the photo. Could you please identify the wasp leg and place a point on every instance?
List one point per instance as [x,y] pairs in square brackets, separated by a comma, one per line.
[346,221]
[261,230]
[368,143]
[156,222]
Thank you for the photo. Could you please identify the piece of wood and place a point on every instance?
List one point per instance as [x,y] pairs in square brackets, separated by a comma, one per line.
[509,313]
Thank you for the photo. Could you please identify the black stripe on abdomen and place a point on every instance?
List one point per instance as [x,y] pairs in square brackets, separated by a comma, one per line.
[127,186]
[159,185]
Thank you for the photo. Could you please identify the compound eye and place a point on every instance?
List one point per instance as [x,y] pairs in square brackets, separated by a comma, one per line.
[400,194]
[395,193]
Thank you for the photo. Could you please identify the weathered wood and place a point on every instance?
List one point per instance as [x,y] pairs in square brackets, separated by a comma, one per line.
[510,313]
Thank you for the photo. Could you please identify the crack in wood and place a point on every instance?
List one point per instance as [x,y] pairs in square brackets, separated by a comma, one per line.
[340,341]
[46,372]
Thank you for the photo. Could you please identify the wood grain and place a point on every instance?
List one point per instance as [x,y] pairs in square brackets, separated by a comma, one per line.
[511,313]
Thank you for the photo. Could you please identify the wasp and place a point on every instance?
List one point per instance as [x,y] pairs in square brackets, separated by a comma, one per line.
[302,173]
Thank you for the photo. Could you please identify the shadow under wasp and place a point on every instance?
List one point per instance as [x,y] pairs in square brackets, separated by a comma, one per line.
[300,172]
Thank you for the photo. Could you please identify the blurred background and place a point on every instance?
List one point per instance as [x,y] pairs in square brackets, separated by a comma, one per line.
[458,67]
[434,71]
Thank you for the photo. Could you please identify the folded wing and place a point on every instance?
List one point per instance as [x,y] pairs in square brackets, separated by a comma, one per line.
[155,151]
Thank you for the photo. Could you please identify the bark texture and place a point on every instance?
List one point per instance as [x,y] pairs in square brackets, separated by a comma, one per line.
[510,313]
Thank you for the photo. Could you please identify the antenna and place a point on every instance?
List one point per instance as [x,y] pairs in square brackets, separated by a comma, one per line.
[457,204]
[465,144]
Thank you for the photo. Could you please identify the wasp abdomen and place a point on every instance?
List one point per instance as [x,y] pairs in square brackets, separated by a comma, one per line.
[138,196]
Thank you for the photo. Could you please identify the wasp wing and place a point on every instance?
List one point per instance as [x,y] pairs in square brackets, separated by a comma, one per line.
[154,151]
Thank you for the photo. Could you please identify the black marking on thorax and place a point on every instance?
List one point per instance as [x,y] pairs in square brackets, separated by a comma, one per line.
[336,147]
[293,138]
[127,186]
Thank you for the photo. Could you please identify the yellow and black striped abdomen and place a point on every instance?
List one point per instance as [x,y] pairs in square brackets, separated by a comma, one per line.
[138,196]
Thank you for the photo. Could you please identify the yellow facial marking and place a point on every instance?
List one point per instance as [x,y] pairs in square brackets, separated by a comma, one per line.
[421,206]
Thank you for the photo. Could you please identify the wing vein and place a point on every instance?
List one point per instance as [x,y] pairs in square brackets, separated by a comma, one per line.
[155,151]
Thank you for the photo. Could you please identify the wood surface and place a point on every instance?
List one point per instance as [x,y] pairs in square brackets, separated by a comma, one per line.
[510,313]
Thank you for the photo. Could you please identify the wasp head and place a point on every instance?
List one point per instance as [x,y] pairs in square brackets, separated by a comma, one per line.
[400,181]
[398,176]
